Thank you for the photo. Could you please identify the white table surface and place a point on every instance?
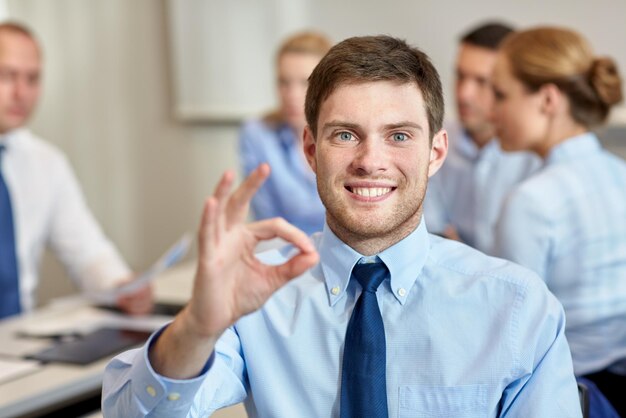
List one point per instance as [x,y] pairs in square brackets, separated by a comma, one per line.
[58,384]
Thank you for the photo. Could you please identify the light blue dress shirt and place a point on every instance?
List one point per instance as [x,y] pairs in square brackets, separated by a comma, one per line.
[468,191]
[467,336]
[568,224]
[291,191]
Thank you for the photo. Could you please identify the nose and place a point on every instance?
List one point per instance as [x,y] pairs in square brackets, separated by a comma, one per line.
[370,157]
[465,90]
[21,88]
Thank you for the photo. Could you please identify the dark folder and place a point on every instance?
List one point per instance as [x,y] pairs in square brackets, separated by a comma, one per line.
[85,349]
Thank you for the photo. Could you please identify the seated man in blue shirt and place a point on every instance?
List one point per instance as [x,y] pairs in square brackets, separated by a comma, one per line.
[464,198]
[439,329]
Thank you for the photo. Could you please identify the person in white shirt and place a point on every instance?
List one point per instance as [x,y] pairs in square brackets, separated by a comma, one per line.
[45,200]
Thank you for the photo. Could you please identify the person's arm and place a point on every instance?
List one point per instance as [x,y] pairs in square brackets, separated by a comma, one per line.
[78,241]
[546,386]
[230,282]
[131,387]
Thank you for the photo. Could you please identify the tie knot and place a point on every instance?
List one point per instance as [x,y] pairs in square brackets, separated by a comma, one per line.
[370,275]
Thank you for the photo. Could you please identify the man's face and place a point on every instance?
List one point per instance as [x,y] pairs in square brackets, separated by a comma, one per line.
[20,70]
[372,158]
[474,95]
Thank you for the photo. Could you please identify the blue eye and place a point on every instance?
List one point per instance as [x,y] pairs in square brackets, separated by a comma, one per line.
[399,137]
[345,136]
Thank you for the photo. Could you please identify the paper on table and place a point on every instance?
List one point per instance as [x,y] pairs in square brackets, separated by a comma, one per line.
[10,369]
[172,256]
[80,320]
[84,320]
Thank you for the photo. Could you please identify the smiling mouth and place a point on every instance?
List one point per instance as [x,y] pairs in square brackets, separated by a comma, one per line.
[370,191]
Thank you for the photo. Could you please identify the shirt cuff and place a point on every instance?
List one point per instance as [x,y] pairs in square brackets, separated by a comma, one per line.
[151,388]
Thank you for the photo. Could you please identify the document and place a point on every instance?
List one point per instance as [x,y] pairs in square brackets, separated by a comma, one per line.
[13,368]
[172,256]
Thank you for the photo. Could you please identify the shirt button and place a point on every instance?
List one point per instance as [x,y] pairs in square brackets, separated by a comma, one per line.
[173,396]
[151,391]
[335,290]
[401,292]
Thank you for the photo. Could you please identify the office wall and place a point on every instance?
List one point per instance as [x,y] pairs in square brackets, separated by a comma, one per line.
[108,101]
[227,38]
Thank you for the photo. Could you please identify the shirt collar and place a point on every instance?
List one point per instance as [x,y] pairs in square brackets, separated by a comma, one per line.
[286,135]
[405,261]
[575,147]
[468,148]
[8,139]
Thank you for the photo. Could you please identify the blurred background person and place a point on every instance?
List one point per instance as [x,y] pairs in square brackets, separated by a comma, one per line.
[291,191]
[465,196]
[41,203]
[567,222]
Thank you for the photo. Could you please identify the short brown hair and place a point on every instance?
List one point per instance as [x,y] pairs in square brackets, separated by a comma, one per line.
[550,55]
[375,58]
[488,35]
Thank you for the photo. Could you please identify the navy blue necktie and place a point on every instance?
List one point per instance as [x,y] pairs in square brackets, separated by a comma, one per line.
[363,374]
[9,287]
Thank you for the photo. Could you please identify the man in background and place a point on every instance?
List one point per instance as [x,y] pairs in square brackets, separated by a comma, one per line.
[41,203]
[465,196]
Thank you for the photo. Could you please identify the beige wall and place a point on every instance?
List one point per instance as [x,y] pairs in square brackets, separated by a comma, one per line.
[107,104]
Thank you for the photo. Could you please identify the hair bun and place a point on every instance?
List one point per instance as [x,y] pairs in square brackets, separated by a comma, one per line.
[606,81]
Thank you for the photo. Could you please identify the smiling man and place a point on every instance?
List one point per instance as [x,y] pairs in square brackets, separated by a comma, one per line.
[375,317]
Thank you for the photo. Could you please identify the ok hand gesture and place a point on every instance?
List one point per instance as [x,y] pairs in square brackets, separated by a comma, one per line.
[230,281]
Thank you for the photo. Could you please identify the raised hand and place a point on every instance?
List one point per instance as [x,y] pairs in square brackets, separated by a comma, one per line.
[230,281]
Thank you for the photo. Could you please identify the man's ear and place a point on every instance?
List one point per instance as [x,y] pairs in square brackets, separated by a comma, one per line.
[438,151]
[309,144]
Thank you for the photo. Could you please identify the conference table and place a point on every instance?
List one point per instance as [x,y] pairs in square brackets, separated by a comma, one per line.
[39,389]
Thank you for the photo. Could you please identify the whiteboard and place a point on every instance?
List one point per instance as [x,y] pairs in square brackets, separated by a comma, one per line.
[222,55]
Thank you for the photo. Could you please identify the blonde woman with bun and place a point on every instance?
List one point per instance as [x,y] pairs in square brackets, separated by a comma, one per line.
[568,221]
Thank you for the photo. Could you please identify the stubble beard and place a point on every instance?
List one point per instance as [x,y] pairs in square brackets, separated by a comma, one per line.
[371,233]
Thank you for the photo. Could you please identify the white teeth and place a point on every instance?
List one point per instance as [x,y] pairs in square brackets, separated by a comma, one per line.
[371,192]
